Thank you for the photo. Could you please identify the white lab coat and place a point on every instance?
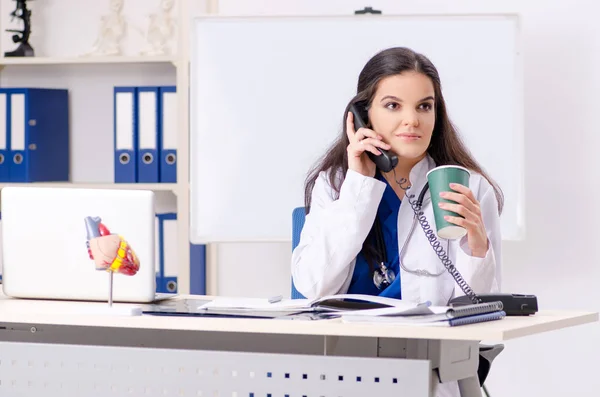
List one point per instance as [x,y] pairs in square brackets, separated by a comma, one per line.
[335,229]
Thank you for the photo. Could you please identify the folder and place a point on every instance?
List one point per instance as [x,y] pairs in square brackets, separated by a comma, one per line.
[4,142]
[191,308]
[166,281]
[197,269]
[1,252]
[125,131]
[431,315]
[168,134]
[37,134]
[148,135]
[157,251]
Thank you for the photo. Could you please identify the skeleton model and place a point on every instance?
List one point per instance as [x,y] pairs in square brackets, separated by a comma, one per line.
[112,30]
[161,27]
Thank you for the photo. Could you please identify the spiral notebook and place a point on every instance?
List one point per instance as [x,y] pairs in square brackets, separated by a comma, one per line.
[478,318]
[437,315]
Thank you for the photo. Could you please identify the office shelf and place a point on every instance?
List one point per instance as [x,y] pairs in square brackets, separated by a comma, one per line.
[123,186]
[20,61]
[20,69]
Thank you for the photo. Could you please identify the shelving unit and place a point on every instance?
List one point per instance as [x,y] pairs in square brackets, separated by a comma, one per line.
[4,61]
[180,62]
[156,187]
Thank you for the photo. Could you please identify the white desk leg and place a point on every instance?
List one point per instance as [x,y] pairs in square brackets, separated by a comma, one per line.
[452,360]
[459,360]
[470,387]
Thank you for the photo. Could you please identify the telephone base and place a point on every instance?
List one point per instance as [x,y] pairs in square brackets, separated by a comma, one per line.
[514,304]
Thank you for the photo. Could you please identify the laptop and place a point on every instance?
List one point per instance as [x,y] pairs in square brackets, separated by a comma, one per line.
[44,238]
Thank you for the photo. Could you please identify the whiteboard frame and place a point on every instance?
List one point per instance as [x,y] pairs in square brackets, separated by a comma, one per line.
[520,233]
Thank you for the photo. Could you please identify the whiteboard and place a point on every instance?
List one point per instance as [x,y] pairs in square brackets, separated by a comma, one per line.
[267,98]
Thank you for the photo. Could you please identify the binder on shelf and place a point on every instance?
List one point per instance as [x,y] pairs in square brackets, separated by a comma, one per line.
[1,252]
[168,134]
[34,135]
[166,279]
[197,269]
[148,135]
[157,250]
[125,130]
[4,138]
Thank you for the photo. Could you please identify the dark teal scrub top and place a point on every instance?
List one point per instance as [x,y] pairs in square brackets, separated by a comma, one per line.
[362,278]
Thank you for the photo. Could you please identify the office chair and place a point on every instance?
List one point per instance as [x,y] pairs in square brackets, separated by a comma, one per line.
[487,353]
[298,215]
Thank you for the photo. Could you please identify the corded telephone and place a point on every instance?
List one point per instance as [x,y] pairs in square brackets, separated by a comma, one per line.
[513,304]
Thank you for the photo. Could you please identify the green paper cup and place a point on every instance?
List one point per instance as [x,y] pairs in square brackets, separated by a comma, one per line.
[439,180]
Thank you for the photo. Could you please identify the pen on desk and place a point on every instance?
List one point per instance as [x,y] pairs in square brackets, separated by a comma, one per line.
[275,299]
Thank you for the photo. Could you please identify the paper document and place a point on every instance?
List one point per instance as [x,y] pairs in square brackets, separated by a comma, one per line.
[434,320]
[224,303]
[429,315]
[408,310]
[419,315]
[338,303]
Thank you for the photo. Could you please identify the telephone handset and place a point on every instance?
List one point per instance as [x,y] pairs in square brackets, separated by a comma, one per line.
[387,160]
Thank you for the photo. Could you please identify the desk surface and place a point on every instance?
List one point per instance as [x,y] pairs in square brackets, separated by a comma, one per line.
[85,314]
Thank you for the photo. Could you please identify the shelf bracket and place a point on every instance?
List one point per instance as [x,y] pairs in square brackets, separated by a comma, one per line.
[367,10]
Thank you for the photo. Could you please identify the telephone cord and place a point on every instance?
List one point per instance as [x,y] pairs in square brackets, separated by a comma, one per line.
[433,241]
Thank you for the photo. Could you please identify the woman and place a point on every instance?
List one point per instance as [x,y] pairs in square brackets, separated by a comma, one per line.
[349,201]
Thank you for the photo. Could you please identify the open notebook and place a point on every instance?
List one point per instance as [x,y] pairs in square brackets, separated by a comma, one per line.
[328,307]
[430,315]
[333,303]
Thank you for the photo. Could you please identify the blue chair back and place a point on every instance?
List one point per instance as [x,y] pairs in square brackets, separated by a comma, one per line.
[298,216]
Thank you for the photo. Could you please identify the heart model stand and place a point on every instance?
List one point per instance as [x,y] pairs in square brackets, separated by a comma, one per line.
[111,253]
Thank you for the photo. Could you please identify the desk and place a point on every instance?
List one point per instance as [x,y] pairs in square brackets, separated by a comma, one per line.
[53,348]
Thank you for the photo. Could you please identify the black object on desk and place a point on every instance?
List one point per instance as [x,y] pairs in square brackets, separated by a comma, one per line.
[513,304]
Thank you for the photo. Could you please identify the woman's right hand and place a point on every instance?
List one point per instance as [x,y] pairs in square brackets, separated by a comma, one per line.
[361,141]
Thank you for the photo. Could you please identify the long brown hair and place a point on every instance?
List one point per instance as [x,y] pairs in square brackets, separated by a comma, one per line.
[446,146]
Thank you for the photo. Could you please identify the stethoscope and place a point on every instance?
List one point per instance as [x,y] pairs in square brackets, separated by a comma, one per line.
[383,277]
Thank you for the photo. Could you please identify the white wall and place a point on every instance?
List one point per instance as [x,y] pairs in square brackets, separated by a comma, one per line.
[557,261]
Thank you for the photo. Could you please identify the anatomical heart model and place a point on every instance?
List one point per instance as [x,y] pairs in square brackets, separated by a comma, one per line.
[110,252]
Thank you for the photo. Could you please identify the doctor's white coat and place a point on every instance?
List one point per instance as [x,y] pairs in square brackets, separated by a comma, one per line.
[335,229]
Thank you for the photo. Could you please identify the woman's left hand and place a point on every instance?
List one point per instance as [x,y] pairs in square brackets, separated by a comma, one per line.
[467,206]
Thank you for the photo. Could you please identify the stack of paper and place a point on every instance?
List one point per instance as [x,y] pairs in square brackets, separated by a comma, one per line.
[355,308]
[430,315]
[256,304]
